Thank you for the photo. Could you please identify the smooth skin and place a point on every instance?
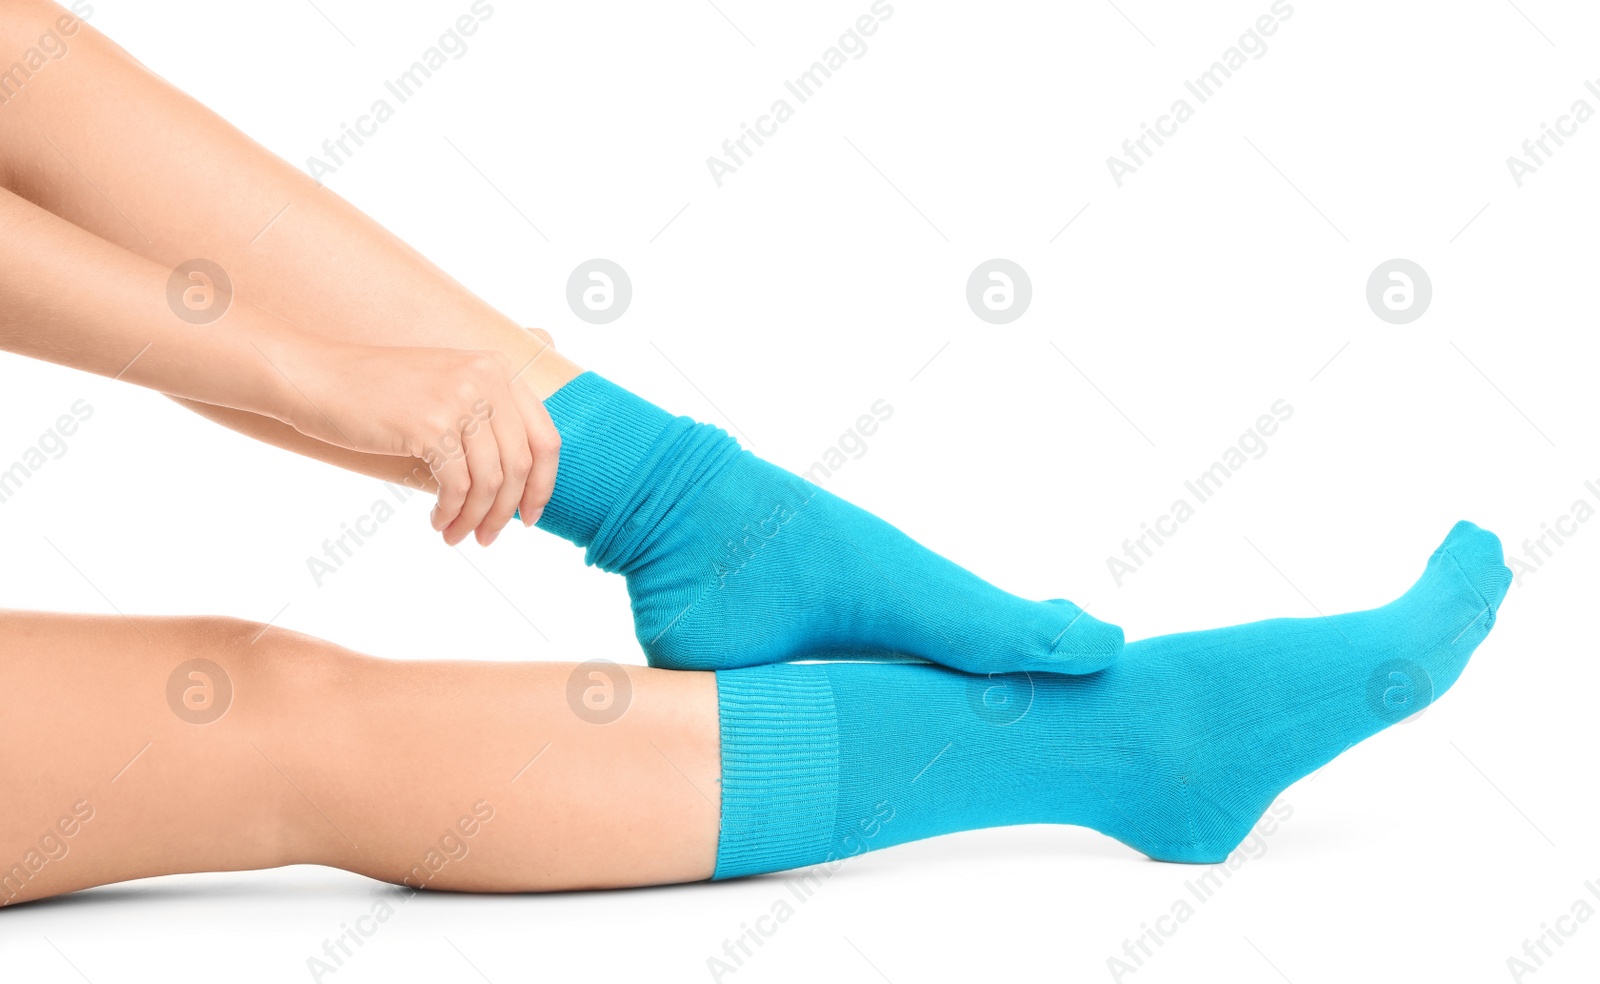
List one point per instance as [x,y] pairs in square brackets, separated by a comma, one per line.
[325,756]
[396,371]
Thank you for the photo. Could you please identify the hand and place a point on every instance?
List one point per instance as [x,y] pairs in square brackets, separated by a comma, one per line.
[484,436]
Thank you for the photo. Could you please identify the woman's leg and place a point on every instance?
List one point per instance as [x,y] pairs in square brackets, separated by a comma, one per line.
[730,560]
[447,775]
[498,777]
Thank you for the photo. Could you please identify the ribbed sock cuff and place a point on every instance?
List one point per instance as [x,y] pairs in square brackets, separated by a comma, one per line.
[606,432]
[780,769]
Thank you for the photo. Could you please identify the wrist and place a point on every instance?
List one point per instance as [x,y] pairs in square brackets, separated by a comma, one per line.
[287,362]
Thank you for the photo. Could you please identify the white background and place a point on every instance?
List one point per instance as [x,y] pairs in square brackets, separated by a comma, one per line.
[825,275]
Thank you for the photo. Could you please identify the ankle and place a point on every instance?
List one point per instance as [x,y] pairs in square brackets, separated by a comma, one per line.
[538,365]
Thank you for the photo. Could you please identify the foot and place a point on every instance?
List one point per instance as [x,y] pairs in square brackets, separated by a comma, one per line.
[761,566]
[1176,749]
[1228,719]
[732,561]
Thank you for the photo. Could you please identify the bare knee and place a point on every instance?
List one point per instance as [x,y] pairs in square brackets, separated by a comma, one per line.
[278,691]
[271,665]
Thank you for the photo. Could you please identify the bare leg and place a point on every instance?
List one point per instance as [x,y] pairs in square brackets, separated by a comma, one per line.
[92,139]
[407,771]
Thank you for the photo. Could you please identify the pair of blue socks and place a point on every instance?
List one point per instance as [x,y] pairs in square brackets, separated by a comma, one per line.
[1034,712]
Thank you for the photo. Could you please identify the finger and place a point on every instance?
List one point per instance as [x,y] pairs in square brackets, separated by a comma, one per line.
[483,463]
[544,442]
[449,468]
[516,460]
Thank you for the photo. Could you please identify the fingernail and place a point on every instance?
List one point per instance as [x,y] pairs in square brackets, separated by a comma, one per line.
[533,517]
[490,538]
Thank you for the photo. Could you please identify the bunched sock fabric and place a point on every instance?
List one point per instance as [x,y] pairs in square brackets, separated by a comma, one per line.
[731,561]
[1176,749]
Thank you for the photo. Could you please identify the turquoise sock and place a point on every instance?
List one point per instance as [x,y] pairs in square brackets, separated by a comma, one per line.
[1175,750]
[731,561]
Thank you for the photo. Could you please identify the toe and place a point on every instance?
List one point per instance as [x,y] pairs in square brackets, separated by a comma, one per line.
[1478,553]
[1083,645]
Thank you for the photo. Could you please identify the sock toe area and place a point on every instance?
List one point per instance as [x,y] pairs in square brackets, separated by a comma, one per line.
[1085,645]
[1478,553]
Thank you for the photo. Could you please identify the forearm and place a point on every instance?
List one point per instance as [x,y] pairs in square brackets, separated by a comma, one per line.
[69,297]
[410,472]
[289,244]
